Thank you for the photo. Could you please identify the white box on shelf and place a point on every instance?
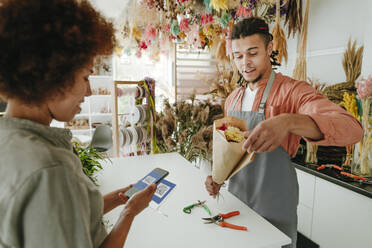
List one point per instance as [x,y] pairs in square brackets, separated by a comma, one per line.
[96,108]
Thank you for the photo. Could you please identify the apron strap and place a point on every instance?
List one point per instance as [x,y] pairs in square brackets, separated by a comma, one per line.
[264,97]
[236,100]
[266,92]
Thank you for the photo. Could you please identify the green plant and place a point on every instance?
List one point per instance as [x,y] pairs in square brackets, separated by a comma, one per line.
[90,159]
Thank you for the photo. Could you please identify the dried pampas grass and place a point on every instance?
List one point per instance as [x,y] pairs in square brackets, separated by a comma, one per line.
[221,51]
[299,72]
[233,4]
[222,84]
[352,64]
[280,42]
[294,17]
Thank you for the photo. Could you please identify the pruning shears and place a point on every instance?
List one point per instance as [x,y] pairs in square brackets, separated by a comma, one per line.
[187,209]
[332,166]
[355,178]
[220,221]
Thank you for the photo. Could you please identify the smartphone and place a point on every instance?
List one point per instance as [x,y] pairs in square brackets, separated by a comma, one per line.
[155,176]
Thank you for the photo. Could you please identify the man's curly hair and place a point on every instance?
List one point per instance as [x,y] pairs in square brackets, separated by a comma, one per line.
[43,43]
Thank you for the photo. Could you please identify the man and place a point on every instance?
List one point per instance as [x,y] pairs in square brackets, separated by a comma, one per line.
[279,111]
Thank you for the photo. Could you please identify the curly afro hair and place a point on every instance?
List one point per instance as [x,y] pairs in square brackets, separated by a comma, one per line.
[44,43]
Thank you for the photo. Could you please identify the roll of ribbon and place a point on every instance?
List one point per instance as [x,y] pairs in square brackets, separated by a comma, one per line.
[123,137]
[138,114]
[133,132]
[139,134]
[134,115]
[140,92]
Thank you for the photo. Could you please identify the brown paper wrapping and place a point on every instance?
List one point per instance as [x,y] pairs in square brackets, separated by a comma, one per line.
[228,157]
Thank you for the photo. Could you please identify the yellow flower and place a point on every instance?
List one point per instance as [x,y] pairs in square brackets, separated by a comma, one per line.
[136,33]
[182,35]
[202,36]
[118,50]
[210,43]
[350,104]
[219,5]
[234,134]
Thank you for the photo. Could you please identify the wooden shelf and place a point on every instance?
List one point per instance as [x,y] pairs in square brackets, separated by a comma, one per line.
[116,114]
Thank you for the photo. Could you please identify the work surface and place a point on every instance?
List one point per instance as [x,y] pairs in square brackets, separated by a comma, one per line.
[170,226]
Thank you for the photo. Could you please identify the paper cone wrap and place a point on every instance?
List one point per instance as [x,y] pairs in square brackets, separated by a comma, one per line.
[228,157]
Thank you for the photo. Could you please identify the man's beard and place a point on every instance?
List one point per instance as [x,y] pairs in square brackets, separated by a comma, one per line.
[255,80]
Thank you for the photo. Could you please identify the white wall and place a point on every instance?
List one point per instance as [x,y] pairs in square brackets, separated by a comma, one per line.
[331,23]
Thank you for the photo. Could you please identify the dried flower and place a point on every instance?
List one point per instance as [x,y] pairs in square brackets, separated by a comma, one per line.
[150,33]
[136,33]
[193,37]
[148,3]
[170,143]
[139,53]
[225,19]
[206,19]
[243,12]
[166,28]
[207,6]
[219,5]
[175,29]
[364,88]
[182,35]
[204,115]
[142,45]
[184,25]
[186,127]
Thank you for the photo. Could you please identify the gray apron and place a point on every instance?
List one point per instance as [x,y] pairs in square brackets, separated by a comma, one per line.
[269,184]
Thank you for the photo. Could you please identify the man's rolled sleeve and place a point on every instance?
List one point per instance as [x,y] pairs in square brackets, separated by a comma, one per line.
[337,131]
[338,126]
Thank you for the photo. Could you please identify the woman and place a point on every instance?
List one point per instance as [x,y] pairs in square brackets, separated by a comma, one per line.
[47,53]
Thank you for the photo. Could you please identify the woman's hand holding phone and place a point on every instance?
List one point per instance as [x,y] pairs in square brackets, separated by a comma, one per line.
[138,201]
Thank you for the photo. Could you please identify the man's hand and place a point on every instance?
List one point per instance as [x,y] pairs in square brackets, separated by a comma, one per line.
[267,135]
[212,187]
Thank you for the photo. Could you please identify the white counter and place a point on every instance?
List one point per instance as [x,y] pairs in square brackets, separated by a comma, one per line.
[152,229]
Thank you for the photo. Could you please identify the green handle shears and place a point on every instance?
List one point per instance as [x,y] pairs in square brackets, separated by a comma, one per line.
[187,209]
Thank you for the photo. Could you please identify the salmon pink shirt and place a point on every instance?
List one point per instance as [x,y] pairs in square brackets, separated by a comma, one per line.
[288,95]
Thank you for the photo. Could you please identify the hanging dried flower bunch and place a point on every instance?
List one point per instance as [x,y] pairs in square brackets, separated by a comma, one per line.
[219,5]
[280,42]
[299,72]
[293,17]
[211,17]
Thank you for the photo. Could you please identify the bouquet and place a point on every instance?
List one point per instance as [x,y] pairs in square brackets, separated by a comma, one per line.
[228,156]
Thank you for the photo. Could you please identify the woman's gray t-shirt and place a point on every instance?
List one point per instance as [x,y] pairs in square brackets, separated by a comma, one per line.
[45,198]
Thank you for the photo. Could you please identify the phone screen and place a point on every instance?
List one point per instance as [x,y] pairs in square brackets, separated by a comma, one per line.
[155,176]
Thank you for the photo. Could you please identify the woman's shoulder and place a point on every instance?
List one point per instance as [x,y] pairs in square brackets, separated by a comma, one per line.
[25,155]
[21,148]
